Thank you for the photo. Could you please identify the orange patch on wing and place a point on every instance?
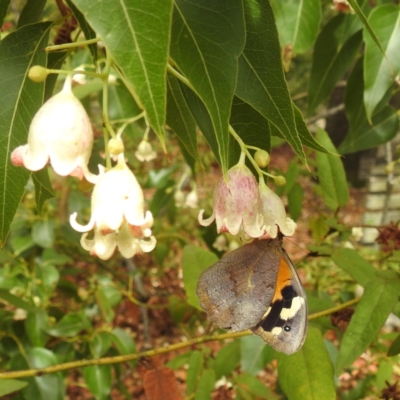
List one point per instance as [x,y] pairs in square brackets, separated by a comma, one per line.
[283,279]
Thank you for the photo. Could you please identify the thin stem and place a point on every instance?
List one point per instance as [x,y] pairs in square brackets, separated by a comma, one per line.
[64,46]
[149,353]
[179,76]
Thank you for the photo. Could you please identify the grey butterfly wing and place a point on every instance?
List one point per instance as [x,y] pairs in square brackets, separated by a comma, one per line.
[237,290]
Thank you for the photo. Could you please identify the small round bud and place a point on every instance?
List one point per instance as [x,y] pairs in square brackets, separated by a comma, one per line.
[38,73]
[261,157]
[115,146]
[280,180]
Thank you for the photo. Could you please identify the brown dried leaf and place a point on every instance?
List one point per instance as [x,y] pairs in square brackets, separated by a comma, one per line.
[160,384]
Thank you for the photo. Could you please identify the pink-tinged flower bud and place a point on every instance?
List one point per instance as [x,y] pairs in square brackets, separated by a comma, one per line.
[145,152]
[60,132]
[236,204]
[274,214]
[118,216]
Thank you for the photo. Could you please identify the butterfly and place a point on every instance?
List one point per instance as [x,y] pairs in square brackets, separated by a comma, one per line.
[256,287]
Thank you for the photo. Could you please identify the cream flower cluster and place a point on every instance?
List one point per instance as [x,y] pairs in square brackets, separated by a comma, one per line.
[61,134]
[240,205]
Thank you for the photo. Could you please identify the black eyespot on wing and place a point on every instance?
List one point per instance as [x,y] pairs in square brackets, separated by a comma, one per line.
[287,328]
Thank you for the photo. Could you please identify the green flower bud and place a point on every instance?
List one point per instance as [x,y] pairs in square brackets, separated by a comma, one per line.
[261,157]
[38,73]
[280,180]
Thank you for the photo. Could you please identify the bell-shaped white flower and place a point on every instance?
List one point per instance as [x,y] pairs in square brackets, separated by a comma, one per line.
[145,152]
[192,199]
[274,214]
[118,216]
[60,132]
[236,203]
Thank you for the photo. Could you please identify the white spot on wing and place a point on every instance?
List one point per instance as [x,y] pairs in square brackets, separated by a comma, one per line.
[297,303]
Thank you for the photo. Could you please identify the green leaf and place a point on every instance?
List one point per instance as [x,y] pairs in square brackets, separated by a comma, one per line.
[100,344]
[331,174]
[11,385]
[31,12]
[308,374]
[16,301]
[137,37]
[297,23]
[194,371]
[251,126]
[252,360]
[252,385]
[261,82]
[227,359]
[394,348]
[86,29]
[43,188]
[43,233]
[47,386]
[195,260]
[335,49]
[207,39]
[98,380]
[362,135]
[35,327]
[124,343]
[384,374]
[179,117]
[206,385]
[377,302]
[4,5]
[22,98]
[122,105]
[356,266]
[380,71]
[69,325]
[295,199]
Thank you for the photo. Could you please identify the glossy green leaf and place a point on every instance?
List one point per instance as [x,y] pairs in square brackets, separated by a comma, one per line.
[194,371]
[31,12]
[100,344]
[36,324]
[98,380]
[179,117]
[227,359]
[335,49]
[379,71]
[331,174]
[355,265]
[22,98]
[16,301]
[145,30]
[377,302]
[297,23]
[47,386]
[251,348]
[206,385]
[124,343]
[251,126]
[194,261]
[202,118]
[43,188]
[394,348]
[69,325]
[261,82]
[4,5]
[207,39]
[249,384]
[43,233]
[308,374]
[11,385]
[86,29]
[358,10]
[362,135]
